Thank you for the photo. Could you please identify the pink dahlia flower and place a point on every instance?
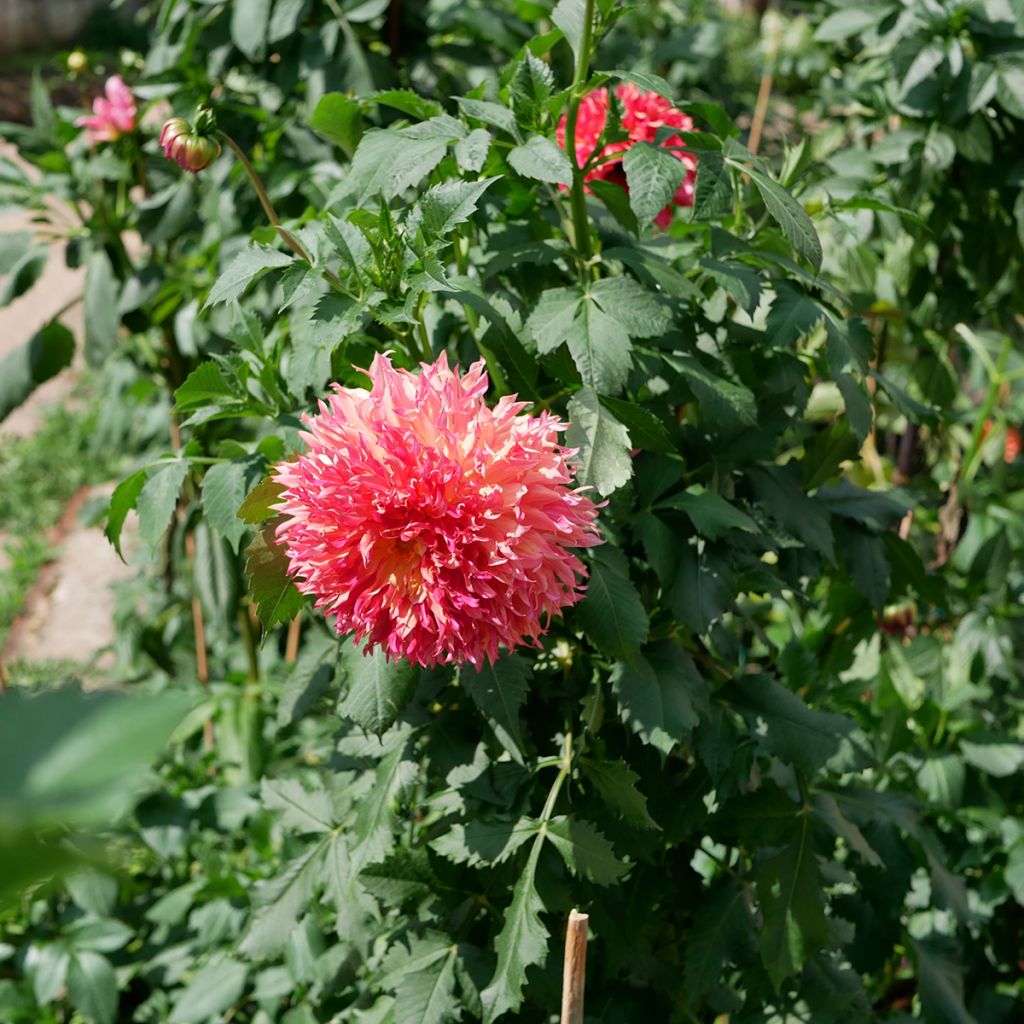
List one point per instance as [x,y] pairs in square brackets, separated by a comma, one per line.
[431,524]
[643,114]
[112,115]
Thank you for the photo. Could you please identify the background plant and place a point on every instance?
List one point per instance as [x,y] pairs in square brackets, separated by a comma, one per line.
[774,754]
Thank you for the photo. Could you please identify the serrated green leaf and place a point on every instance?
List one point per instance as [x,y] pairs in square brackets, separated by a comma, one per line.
[445,206]
[249,22]
[660,694]
[553,317]
[789,886]
[373,828]
[522,943]
[570,17]
[225,487]
[793,316]
[603,443]
[616,782]
[428,995]
[725,406]
[703,589]
[158,499]
[642,312]
[485,841]
[279,902]
[243,270]
[102,320]
[210,991]
[42,357]
[586,852]
[302,810]
[541,159]
[499,692]
[713,194]
[612,614]
[471,152]
[378,689]
[654,175]
[275,595]
[92,987]
[710,513]
[339,119]
[205,385]
[781,491]
[314,671]
[800,735]
[600,348]
[721,921]
[785,211]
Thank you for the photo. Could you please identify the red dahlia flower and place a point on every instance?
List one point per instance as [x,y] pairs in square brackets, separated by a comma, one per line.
[643,114]
[113,115]
[431,524]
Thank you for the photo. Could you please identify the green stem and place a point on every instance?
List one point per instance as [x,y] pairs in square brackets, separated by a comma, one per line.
[268,208]
[556,786]
[580,220]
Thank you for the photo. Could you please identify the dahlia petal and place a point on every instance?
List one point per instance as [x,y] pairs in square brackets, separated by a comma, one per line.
[430,524]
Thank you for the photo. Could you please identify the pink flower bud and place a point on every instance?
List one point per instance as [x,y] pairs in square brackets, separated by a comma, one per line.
[189,149]
[113,114]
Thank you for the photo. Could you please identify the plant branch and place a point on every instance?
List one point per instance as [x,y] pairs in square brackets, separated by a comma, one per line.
[580,221]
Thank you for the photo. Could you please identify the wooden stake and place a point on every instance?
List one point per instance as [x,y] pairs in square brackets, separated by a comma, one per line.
[575,970]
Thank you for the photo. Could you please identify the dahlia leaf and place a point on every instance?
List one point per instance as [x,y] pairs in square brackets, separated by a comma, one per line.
[600,349]
[493,114]
[499,691]
[427,996]
[259,502]
[102,319]
[713,192]
[553,316]
[409,102]
[586,852]
[485,842]
[719,923]
[645,80]
[311,677]
[803,737]
[158,500]
[445,206]
[645,429]
[522,943]
[710,513]
[793,316]
[471,152]
[541,159]
[279,902]
[653,175]
[204,385]
[374,826]
[338,119]
[570,17]
[725,407]
[660,694]
[796,225]
[211,990]
[640,311]
[378,689]
[243,270]
[353,905]
[225,487]
[275,595]
[616,782]
[612,614]
[603,443]
[92,986]
[388,162]
[704,588]
[302,810]
[249,22]
[43,356]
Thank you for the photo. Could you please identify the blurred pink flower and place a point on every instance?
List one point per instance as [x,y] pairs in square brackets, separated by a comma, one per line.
[431,524]
[643,114]
[112,115]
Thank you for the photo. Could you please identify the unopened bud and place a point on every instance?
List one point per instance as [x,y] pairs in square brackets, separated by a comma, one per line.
[190,148]
[77,62]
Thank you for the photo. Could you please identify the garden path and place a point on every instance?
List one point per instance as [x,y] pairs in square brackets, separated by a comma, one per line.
[69,612]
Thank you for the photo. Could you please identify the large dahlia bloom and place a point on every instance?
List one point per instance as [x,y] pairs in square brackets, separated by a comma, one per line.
[113,115]
[429,523]
[643,114]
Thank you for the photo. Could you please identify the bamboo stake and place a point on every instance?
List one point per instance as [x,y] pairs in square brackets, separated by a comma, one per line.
[575,968]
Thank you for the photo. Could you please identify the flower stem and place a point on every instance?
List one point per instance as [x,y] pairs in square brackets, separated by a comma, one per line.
[268,208]
[580,221]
